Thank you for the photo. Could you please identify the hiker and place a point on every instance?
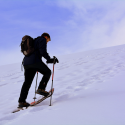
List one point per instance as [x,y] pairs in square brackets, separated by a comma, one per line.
[33,63]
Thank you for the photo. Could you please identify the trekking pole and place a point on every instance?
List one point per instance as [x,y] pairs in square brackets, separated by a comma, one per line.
[52,81]
[35,87]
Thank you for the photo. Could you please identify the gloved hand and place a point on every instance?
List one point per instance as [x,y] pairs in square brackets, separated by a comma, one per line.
[53,60]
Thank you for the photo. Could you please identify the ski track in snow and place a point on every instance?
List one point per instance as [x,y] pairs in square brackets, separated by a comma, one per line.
[75,73]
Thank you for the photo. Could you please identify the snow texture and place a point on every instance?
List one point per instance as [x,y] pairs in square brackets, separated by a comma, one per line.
[89,90]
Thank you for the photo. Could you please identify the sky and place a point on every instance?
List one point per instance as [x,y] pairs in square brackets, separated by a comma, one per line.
[74,25]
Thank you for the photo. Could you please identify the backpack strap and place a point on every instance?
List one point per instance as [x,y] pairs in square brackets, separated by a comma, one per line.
[22,64]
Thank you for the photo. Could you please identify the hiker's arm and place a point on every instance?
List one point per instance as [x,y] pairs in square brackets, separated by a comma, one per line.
[43,49]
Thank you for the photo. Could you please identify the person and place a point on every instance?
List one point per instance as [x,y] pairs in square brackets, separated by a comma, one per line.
[32,64]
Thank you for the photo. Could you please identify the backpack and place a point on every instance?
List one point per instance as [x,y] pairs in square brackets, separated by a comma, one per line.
[27,45]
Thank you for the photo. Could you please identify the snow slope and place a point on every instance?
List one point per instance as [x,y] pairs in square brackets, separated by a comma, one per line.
[89,90]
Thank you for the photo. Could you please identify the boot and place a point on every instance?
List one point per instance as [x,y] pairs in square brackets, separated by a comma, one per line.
[23,104]
[42,92]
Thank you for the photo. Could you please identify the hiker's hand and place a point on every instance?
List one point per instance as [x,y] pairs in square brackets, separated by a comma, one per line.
[56,60]
[53,60]
[50,61]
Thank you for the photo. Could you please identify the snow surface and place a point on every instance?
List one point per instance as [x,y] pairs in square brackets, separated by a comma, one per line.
[89,90]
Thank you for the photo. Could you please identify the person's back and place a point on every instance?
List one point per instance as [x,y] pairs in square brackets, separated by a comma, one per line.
[40,47]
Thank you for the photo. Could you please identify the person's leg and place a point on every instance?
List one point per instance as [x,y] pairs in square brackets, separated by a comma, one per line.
[43,69]
[43,83]
[29,75]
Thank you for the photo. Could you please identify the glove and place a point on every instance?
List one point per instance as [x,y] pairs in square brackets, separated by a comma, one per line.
[53,60]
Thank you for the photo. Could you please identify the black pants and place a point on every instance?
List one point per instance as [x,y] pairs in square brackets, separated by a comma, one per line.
[30,71]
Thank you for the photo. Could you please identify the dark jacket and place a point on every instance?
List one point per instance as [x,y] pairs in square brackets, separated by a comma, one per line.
[40,46]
